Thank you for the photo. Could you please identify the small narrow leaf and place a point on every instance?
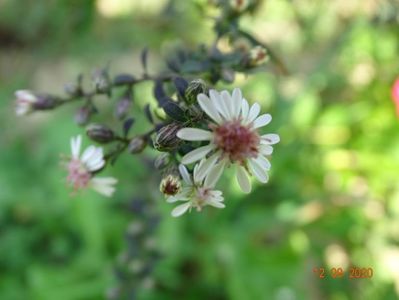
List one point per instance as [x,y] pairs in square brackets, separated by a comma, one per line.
[159,92]
[143,57]
[127,125]
[148,114]
[181,85]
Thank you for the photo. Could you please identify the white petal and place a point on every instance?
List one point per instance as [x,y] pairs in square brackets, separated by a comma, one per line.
[216,193]
[22,109]
[205,167]
[258,171]
[263,162]
[226,98]
[244,109]
[105,180]
[172,199]
[209,108]
[96,160]
[253,113]
[181,209]
[217,204]
[214,174]
[197,154]
[270,138]
[184,195]
[219,103]
[96,165]
[87,154]
[185,175]
[194,134]
[265,149]
[237,101]
[75,146]
[104,186]
[243,180]
[25,95]
[262,120]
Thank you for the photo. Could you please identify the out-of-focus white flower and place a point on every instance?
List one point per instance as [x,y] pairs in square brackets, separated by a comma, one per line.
[196,194]
[25,101]
[258,55]
[239,5]
[81,169]
[233,139]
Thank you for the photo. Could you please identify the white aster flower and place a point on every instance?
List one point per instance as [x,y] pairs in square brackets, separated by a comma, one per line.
[196,194]
[25,101]
[233,139]
[81,169]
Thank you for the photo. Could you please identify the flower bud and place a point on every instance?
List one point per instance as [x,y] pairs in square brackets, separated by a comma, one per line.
[239,5]
[101,81]
[24,102]
[170,185]
[82,115]
[28,101]
[166,139]
[137,145]
[162,161]
[257,56]
[195,87]
[100,133]
[122,107]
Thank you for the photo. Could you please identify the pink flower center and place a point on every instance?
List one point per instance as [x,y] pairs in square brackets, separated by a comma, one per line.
[78,175]
[200,198]
[237,141]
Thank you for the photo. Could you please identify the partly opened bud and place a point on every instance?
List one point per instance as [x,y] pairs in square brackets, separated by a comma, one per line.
[100,133]
[137,145]
[170,185]
[195,87]
[28,101]
[101,81]
[24,102]
[166,139]
[257,56]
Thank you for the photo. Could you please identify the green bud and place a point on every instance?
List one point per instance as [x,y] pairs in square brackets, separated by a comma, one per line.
[166,139]
[195,87]
[137,145]
[100,133]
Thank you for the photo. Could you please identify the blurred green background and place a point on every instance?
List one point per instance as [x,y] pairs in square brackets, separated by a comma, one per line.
[333,197]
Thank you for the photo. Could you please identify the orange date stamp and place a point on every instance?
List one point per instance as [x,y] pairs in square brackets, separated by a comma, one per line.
[351,273]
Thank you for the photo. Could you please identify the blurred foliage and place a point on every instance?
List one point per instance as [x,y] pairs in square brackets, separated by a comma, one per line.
[333,198]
